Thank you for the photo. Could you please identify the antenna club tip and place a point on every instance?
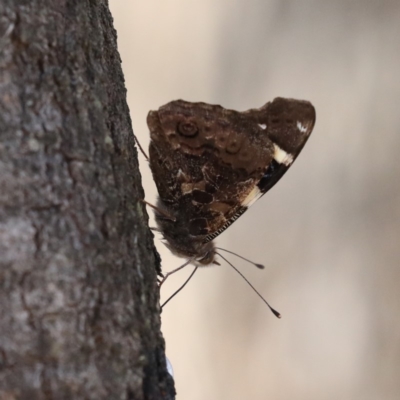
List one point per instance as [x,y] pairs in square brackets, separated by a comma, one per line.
[276,313]
[259,266]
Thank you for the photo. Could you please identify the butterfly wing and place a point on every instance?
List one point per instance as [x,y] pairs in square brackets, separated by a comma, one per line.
[288,123]
[210,164]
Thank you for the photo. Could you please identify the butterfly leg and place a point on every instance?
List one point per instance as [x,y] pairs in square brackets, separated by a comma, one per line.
[176,292]
[161,212]
[141,149]
[174,270]
[160,278]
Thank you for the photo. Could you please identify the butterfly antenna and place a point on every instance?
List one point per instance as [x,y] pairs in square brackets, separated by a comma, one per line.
[276,313]
[260,266]
[173,295]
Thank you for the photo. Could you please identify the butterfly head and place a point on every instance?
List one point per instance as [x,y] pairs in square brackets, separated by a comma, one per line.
[202,254]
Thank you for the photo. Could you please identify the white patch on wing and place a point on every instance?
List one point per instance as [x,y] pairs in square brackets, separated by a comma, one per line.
[262,126]
[301,127]
[252,197]
[281,156]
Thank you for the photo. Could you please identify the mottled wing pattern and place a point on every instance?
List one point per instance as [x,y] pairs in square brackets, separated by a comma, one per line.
[289,124]
[210,163]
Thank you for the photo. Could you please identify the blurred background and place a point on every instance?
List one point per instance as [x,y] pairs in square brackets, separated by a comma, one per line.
[328,233]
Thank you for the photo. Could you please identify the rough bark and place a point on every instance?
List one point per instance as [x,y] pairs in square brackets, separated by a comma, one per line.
[79,313]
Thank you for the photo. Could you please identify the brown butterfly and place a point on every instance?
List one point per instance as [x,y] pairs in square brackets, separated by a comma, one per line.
[210,164]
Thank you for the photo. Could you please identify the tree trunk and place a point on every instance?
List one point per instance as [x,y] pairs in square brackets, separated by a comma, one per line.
[79,316]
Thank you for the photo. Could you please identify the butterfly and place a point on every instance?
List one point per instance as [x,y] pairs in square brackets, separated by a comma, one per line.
[210,164]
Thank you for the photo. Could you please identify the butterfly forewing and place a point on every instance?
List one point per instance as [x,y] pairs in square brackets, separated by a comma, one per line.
[210,164]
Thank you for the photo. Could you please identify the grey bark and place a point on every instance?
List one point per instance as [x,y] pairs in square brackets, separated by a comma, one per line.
[79,313]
